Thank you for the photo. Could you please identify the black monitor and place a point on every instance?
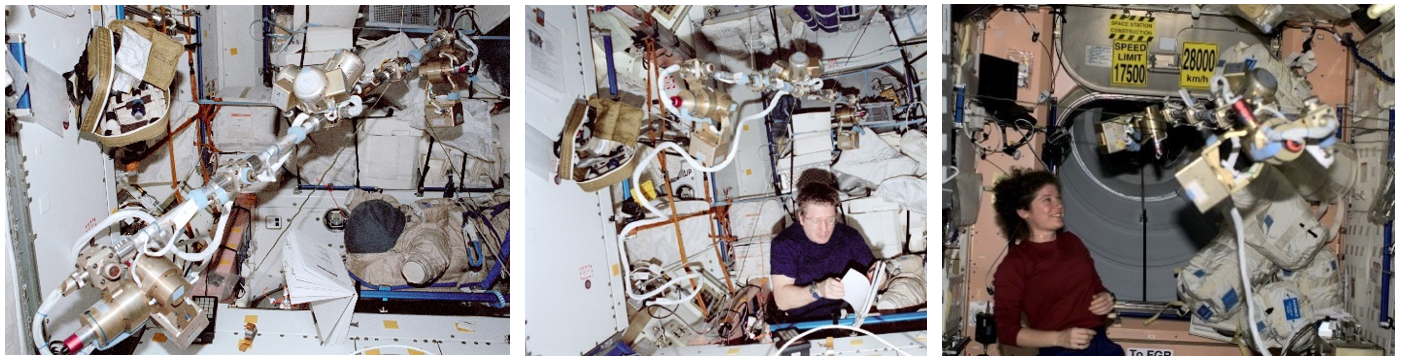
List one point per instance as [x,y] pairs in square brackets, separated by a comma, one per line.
[997,89]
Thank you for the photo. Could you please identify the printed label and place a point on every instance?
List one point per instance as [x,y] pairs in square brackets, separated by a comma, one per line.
[1139,352]
[1131,64]
[1292,309]
[1196,64]
[1098,56]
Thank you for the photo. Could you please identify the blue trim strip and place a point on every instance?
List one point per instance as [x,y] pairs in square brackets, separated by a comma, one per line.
[889,318]
[608,55]
[1386,293]
[199,59]
[17,49]
[959,104]
[336,188]
[449,296]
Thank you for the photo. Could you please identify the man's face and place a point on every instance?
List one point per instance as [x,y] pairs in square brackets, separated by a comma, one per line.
[818,221]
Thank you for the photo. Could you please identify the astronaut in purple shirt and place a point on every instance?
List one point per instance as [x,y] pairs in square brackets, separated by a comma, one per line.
[809,257]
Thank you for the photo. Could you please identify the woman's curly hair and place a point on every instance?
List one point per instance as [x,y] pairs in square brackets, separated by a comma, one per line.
[1015,192]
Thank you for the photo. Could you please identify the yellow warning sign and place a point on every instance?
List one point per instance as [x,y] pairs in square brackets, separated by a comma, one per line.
[1196,64]
[1130,64]
[1131,28]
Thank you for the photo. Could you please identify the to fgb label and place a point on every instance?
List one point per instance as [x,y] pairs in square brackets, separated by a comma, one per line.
[1139,352]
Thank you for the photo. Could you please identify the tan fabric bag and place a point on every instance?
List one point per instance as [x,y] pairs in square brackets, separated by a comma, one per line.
[160,71]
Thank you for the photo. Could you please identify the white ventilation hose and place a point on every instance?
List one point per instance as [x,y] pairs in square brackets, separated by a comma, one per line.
[215,242]
[652,155]
[1246,282]
[37,326]
[110,220]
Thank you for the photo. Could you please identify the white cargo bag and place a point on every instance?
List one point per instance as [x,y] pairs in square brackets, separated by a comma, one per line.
[1280,312]
[1211,282]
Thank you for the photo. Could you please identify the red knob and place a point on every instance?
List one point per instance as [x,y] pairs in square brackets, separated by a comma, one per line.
[676,101]
[73,343]
[1293,146]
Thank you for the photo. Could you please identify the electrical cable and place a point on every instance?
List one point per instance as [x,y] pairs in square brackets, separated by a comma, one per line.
[997,262]
[836,326]
[303,61]
[1353,48]
[1285,351]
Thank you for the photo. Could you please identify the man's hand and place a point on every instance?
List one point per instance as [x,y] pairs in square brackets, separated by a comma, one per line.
[830,289]
[1102,304]
[1074,338]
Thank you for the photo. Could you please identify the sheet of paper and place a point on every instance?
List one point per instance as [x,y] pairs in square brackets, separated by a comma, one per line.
[333,318]
[875,287]
[47,97]
[314,272]
[18,75]
[869,297]
[544,64]
[131,59]
[855,288]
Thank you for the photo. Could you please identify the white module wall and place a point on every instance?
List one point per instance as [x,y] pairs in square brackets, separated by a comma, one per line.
[569,244]
[1371,112]
[69,178]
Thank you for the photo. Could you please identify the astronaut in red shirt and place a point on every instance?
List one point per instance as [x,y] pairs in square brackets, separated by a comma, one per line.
[1048,274]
